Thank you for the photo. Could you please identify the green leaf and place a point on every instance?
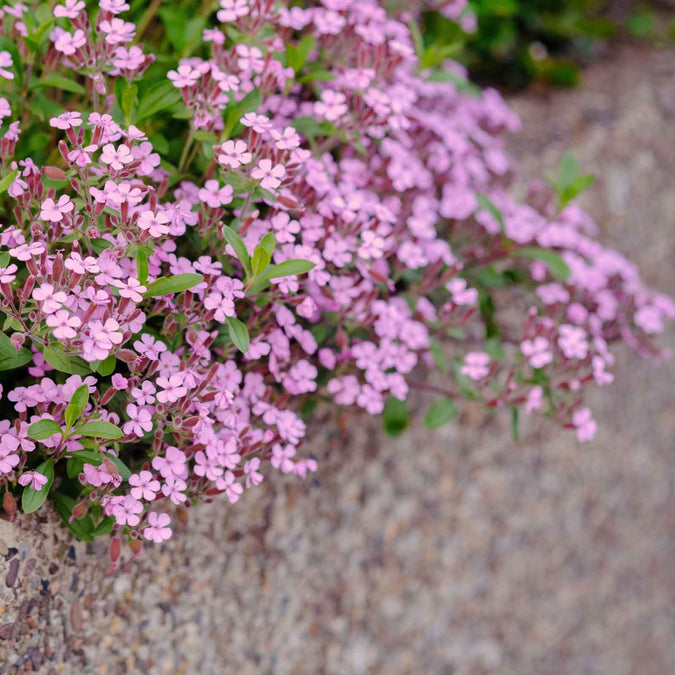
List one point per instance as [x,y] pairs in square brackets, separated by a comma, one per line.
[235,241]
[36,37]
[161,96]
[23,357]
[296,57]
[515,415]
[56,81]
[32,500]
[82,528]
[308,126]
[395,416]
[107,366]
[121,467]
[260,261]
[489,206]
[284,269]
[10,357]
[440,413]
[7,181]
[105,526]
[289,268]
[238,334]
[570,182]
[76,406]
[73,365]
[268,242]
[7,349]
[554,261]
[99,429]
[175,284]
[42,429]
[235,111]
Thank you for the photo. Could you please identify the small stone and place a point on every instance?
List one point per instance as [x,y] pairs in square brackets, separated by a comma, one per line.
[12,574]
[76,616]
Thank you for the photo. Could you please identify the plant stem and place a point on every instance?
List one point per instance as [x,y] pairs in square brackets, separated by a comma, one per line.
[186,149]
[147,18]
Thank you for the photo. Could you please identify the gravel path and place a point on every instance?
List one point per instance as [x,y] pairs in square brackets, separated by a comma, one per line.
[453,553]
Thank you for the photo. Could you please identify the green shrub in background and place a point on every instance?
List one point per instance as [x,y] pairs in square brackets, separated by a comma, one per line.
[518,42]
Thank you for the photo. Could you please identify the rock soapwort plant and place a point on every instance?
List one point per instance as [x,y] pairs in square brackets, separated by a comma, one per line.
[215,220]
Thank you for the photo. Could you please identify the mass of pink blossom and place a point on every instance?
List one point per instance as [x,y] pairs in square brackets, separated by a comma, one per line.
[339,229]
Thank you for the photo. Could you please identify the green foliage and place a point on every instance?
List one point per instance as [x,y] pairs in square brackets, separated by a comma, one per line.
[395,416]
[517,42]
[442,412]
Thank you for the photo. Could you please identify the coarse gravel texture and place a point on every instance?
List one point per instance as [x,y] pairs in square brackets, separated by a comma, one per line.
[457,552]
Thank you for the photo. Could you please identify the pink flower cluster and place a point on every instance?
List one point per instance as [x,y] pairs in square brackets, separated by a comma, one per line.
[176,300]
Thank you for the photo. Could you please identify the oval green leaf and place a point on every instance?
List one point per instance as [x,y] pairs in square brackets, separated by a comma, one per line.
[32,500]
[170,285]
[99,429]
[42,429]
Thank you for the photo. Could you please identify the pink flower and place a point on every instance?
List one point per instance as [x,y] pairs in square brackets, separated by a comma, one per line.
[372,245]
[69,44]
[157,224]
[54,212]
[173,387]
[253,476]
[127,511]
[67,120]
[6,62]
[287,139]
[282,457]
[222,305]
[7,461]
[102,338]
[158,529]
[8,274]
[268,175]
[538,351]
[144,486]
[585,424]
[117,30]
[461,295]
[332,105]
[119,382]
[63,324]
[82,156]
[140,421]
[113,6]
[131,288]
[232,489]
[26,251]
[207,465]
[232,10]
[215,196]
[174,490]
[573,342]
[130,59]
[259,123]
[145,395]
[34,479]
[149,347]
[116,158]
[173,464]
[185,76]
[50,300]
[69,10]
[476,365]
